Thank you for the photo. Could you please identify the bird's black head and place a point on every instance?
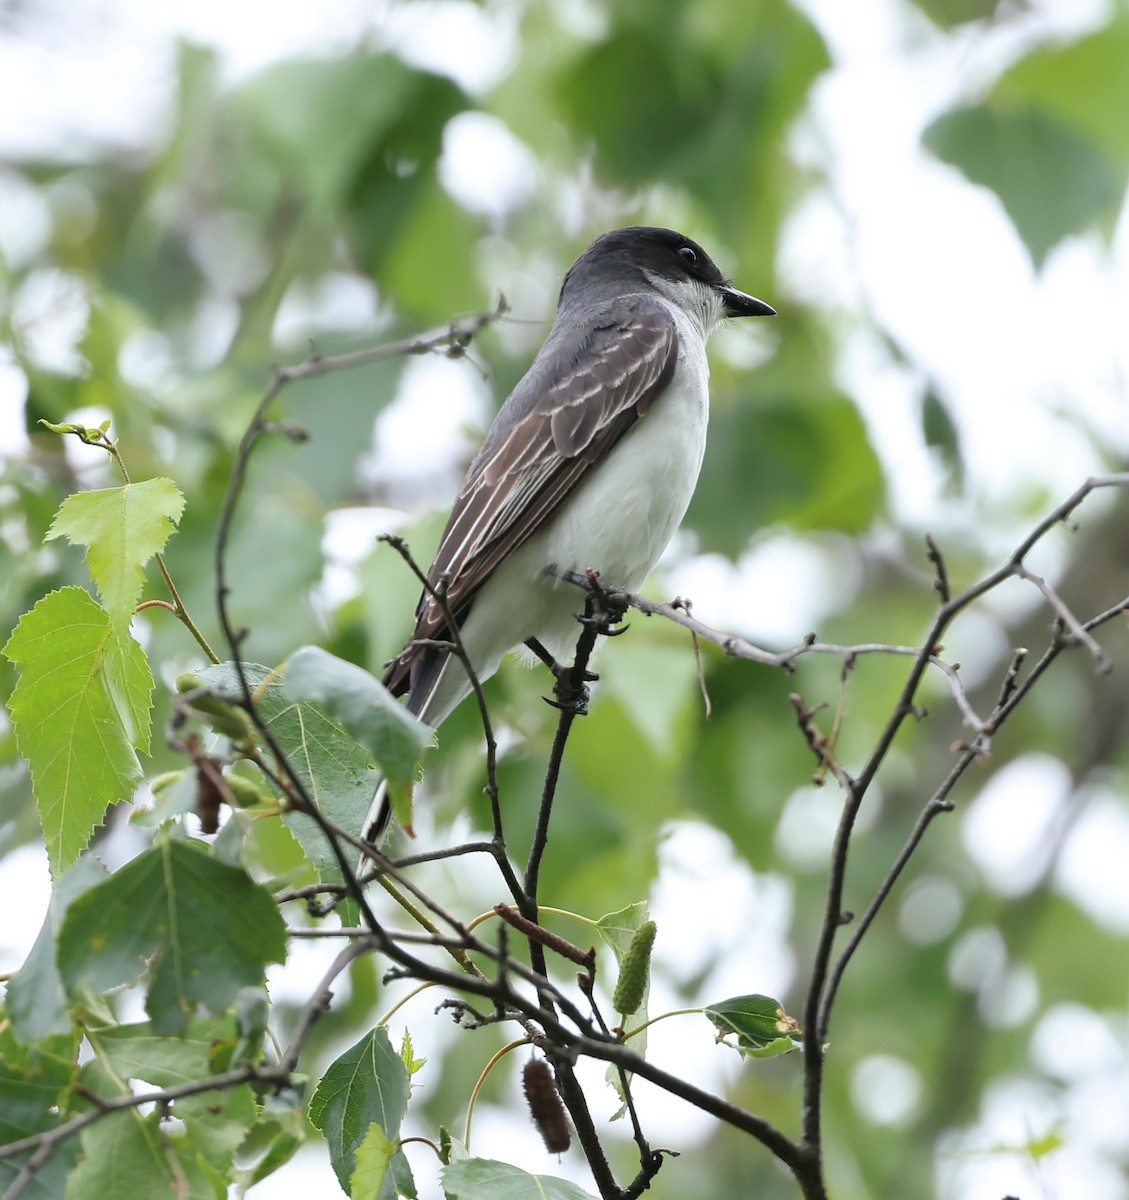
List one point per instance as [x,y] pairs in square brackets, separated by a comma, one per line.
[642,257]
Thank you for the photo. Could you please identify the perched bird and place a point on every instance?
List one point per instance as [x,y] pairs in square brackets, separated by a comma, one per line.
[589,465]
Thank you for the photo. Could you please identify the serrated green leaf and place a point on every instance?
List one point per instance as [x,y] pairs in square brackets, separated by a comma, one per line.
[122,528]
[206,927]
[81,711]
[374,1155]
[333,766]
[37,1004]
[762,1027]
[366,1085]
[365,707]
[485,1179]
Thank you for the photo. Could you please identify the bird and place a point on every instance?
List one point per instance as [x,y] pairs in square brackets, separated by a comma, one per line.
[589,465]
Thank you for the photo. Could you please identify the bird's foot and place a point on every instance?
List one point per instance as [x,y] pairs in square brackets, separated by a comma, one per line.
[570,693]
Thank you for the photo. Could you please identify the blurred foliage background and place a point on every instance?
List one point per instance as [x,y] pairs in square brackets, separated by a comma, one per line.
[932,196]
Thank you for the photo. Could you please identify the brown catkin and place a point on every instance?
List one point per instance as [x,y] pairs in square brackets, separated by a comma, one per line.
[545,1105]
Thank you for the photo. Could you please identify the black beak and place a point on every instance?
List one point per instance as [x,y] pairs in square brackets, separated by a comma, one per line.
[739,304]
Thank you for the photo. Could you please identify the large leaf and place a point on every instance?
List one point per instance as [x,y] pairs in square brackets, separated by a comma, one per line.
[712,92]
[202,927]
[81,711]
[367,1085]
[122,529]
[1084,85]
[788,454]
[1051,182]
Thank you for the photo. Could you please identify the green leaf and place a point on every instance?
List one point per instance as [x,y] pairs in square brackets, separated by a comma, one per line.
[37,1004]
[367,1085]
[33,1080]
[206,927]
[949,13]
[485,1179]
[130,1155]
[1051,182]
[374,1155]
[363,100]
[337,771]
[215,1123]
[270,1143]
[81,710]
[763,1028]
[1083,85]
[140,1052]
[122,529]
[365,707]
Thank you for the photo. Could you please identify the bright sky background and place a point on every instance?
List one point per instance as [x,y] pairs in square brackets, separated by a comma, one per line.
[1032,363]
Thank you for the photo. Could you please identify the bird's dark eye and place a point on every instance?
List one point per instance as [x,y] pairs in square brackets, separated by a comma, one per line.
[688,256]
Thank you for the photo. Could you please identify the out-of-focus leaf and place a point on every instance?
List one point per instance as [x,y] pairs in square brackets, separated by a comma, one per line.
[130,1155]
[296,104]
[37,1004]
[270,1143]
[485,1179]
[204,926]
[32,1080]
[789,454]
[950,13]
[940,432]
[437,242]
[1084,85]
[1051,182]
[81,711]
[655,679]
[712,92]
